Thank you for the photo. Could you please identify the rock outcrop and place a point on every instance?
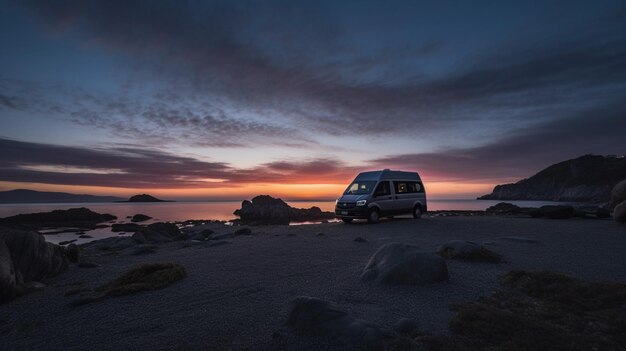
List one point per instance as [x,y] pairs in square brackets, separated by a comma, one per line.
[74,217]
[264,209]
[397,263]
[588,178]
[157,233]
[26,257]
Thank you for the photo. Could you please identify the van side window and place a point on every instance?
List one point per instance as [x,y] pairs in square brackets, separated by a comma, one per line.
[408,187]
[401,187]
[382,189]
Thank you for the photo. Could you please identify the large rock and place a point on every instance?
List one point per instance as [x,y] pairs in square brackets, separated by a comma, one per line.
[618,194]
[74,217]
[31,257]
[397,263]
[619,213]
[313,316]
[264,209]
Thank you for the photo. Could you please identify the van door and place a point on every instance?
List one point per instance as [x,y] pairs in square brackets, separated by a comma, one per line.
[405,196]
[383,198]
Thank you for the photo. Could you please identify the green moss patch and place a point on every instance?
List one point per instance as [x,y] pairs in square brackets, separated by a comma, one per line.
[150,276]
[536,311]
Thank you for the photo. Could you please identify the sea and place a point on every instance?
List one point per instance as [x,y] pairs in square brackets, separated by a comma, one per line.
[215,210]
[223,210]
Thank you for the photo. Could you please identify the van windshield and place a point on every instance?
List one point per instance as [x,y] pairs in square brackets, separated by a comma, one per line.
[360,188]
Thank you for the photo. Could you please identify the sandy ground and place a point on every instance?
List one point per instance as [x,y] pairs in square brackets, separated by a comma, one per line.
[236,295]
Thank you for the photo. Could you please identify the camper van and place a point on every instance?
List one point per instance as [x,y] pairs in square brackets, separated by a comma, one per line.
[385,193]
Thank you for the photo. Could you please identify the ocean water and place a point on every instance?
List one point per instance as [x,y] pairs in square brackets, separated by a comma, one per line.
[180,211]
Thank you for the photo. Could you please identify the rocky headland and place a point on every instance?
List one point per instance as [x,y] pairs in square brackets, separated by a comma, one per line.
[588,178]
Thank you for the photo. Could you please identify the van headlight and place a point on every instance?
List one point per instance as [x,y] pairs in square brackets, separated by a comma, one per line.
[361,202]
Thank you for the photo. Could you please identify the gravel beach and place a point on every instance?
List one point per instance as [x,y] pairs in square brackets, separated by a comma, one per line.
[236,294]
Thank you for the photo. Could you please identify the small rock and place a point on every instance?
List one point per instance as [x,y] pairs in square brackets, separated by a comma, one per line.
[140,218]
[85,236]
[87,264]
[504,208]
[67,242]
[73,252]
[319,234]
[405,325]
[313,316]
[359,239]
[243,231]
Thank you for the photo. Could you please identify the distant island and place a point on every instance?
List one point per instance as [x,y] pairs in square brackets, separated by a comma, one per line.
[32,196]
[588,178]
[145,198]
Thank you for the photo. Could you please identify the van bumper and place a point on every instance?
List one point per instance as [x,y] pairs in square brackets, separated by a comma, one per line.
[354,212]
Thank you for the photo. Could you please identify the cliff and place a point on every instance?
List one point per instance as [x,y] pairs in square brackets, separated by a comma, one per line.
[588,178]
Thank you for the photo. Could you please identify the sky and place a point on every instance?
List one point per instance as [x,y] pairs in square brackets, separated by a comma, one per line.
[230,99]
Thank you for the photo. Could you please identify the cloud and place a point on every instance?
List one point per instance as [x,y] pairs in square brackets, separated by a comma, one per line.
[133,167]
[598,130]
[12,102]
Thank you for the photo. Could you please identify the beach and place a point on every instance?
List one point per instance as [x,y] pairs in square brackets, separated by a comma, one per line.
[236,294]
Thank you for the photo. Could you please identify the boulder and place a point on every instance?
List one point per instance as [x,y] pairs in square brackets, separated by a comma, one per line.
[618,194]
[504,208]
[619,213]
[397,263]
[140,218]
[467,250]
[264,209]
[31,257]
[312,316]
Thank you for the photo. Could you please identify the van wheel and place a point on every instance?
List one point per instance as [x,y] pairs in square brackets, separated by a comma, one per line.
[417,212]
[347,220]
[373,216]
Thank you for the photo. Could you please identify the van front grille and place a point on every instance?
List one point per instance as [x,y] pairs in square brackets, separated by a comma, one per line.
[346,204]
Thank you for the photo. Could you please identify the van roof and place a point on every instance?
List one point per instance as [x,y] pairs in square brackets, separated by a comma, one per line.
[388,174]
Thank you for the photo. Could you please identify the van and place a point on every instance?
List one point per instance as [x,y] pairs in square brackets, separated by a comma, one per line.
[385,193]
